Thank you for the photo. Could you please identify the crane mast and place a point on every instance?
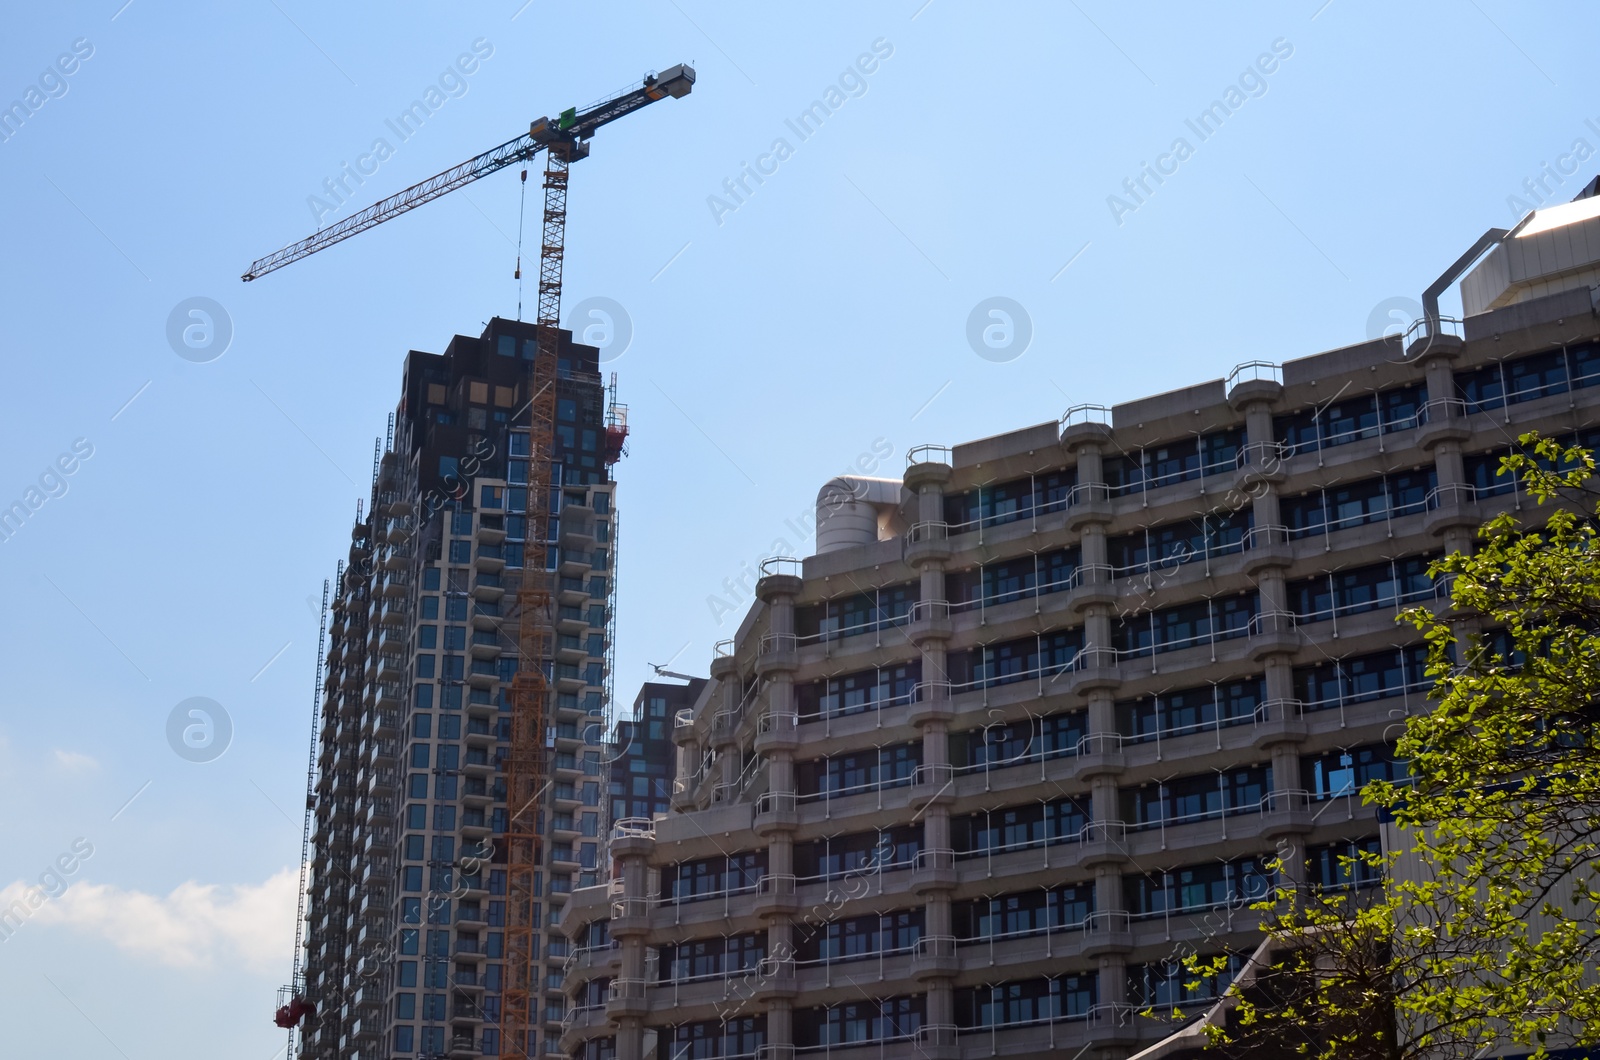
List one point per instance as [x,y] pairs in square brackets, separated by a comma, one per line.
[563,142]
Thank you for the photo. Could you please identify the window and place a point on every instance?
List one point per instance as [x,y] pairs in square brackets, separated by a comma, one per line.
[1207,795]
[853,938]
[1016,578]
[857,771]
[1027,740]
[1170,544]
[1009,501]
[858,692]
[860,853]
[1186,625]
[1346,772]
[1176,461]
[859,1022]
[1361,678]
[1379,585]
[1166,985]
[707,877]
[1031,912]
[1373,500]
[1027,658]
[1349,418]
[702,1040]
[1190,710]
[1036,824]
[1235,883]
[1043,1000]
[707,958]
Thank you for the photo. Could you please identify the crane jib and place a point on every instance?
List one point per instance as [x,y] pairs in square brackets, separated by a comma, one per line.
[570,125]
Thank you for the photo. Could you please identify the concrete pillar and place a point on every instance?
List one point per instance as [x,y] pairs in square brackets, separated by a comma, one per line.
[1102,712]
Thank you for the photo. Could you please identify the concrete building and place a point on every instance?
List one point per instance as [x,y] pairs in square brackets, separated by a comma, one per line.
[967,782]
[404,952]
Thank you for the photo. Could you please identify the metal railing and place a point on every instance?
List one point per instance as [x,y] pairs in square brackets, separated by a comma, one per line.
[777,643]
[1254,371]
[634,828]
[1423,328]
[775,802]
[1082,414]
[930,454]
[781,565]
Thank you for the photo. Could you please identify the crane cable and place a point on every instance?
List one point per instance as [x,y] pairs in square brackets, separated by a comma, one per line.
[522,210]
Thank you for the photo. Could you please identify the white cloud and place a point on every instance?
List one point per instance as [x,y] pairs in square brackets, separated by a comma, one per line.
[74,760]
[194,926]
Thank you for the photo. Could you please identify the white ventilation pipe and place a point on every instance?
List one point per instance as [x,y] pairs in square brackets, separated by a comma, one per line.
[853,509]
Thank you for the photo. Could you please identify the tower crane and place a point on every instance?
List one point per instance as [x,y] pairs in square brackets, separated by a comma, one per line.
[564,140]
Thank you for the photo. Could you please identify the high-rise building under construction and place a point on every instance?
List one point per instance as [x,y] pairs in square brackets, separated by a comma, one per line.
[406,909]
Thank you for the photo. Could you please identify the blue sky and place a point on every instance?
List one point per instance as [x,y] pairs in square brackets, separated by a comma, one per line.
[812,324]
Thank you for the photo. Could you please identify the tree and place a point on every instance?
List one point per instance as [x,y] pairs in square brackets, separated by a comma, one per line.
[1482,934]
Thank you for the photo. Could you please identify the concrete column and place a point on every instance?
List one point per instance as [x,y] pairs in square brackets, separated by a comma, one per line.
[1103,799]
[937,918]
[936,828]
[1097,626]
[780,1023]
[1274,590]
[941,1006]
[1285,768]
[1279,677]
[1102,712]
[1448,463]
[630,1040]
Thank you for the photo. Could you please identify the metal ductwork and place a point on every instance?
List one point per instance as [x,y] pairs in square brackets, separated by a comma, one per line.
[853,510]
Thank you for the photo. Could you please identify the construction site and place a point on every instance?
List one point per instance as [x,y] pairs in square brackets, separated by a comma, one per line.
[1035,717]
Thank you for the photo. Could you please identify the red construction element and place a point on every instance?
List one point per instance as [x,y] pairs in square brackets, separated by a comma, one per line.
[616,427]
[291,1014]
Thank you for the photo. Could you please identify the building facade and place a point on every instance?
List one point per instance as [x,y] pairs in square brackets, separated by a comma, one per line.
[406,903]
[973,781]
[642,757]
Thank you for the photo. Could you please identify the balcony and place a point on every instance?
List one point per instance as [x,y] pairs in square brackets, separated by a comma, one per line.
[484,674]
[489,559]
[486,644]
[629,916]
[776,812]
[933,870]
[1107,932]
[625,998]
[574,562]
[927,541]
[777,653]
[775,979]
[480,732]
[934,957]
